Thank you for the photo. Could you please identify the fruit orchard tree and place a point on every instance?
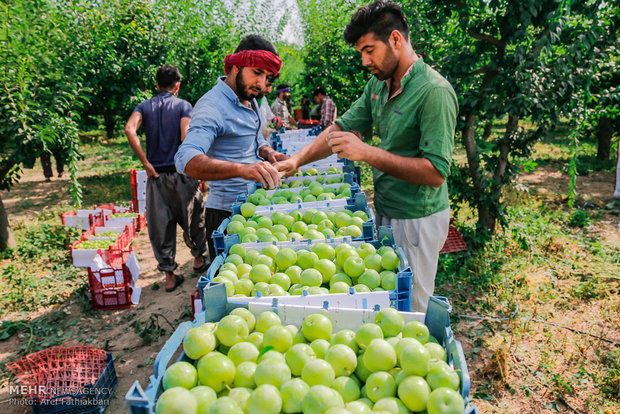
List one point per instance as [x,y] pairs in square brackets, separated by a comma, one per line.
[40,93]
[511,61]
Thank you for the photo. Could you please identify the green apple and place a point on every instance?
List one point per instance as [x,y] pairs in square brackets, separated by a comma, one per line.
[198,342]
[327,269]
[354,266]
[272,371]
[318,372]
[442,375]
[370,278]
[367,333]
[216,371]
[390,321]
[324,251]
[342,359]
[346,337]
[243,352]
[231,329]
[285,258]
[320,347]
[389,260]
[348,389]
[307,259]
[266,320]
[293,392]
[180,374]
[414,359]
[278,337]
[317,326]
[297,357]
[265,399]
[373,261]
[445,401]
[205,397]
[416,330]
[380,385]
[260,273]
[282,280]
[176,400]
[247,209]
[380,356]
[414,392]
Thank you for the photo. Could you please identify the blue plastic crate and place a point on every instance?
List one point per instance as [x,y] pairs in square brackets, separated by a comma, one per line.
[400,298]
[437,318]
[221,239]
[94,400]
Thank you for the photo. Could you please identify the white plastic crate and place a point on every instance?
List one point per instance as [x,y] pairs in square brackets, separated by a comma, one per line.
[121,221]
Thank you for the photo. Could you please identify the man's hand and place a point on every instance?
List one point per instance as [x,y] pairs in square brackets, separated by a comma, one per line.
[277,122]
[286,167]
[276,156]
[150,170]
[347,145]
[262,172]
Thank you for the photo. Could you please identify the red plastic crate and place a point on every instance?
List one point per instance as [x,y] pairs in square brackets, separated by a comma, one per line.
[454,242]
[59,370]
[110,288]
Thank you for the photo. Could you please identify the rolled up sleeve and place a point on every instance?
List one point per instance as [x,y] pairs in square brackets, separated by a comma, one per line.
[437,124]
[203,129]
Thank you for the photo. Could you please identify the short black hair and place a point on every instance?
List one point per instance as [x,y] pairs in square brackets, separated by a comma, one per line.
[256,42]
[318,90]
[381,18]
[167,76]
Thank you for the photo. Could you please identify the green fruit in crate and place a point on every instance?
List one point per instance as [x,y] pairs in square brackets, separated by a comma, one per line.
[176,400]
[299,227]
[340,277]
[442,375]
[282,280]
[370,278]
[272,371]
[227,274]
[229,267]
[180,374]
[306,259]
[294,273]
[445,401]
[225,405]
[327,269]
[311,277]
[414,359]
[234,227]
[248,209]
[391,405]
[339,287]
[297,357]
[293,393]
[389,260]
[241,396]
[348,389]
[367,333]
[317,326]
[243,352]
[246,315]
[354,266]
[417,330]
[320,398]
[231,330]
[257,339]
[260,287]
[388,280]
[380,385]
[237,249]
[205,397]
[285,258]
[271,354]
[279,338]
[266,320]
[244,375]
[318,372]
[390,321]
[216,371]
[436,351]
[265,399]
[260,273]
[380,356]
[414,393]
[244,287]
[358,407]
[373,261]
[342,359]
[198,342]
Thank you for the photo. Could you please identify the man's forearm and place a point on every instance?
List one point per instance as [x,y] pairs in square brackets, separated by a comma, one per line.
[317,149]
[265,151]
[205,168]
[415,170]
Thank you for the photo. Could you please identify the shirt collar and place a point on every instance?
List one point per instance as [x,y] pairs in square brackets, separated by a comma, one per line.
[230,94]
[415,68]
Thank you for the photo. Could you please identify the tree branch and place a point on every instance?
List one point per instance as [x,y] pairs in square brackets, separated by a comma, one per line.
[486,38]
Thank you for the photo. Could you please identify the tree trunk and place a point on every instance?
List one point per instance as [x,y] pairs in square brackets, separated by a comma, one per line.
[6,235]
[473,164]
[604,133]
[110,123]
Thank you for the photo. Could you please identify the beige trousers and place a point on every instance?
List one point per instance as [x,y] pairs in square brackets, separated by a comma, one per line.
[421,240]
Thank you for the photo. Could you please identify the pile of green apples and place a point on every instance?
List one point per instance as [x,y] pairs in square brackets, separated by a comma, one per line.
[95,244]
[247,364]
[282,271]
[313,171]
[298,224]
[108,234]
[296,181]
[314,192]
[123,215]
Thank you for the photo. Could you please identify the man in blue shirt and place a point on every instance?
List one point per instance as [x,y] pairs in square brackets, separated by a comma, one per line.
[224,144]
[171,197]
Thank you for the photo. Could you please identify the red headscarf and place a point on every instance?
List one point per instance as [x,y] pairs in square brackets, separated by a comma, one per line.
[262,59]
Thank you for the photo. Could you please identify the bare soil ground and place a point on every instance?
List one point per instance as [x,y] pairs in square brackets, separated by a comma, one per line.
[507,369]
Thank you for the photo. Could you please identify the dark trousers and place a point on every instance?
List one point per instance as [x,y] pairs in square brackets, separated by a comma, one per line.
[173,199]
[213,218]
[46,163]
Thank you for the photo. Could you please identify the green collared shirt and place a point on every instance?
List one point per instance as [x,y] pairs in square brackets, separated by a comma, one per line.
[418,122]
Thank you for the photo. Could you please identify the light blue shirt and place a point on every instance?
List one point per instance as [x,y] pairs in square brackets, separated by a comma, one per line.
[225,129]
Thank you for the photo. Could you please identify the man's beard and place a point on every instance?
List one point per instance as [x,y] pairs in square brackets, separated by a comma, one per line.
[243,92]
[390,65]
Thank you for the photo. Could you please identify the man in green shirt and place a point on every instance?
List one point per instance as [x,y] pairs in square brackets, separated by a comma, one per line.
[413,110]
